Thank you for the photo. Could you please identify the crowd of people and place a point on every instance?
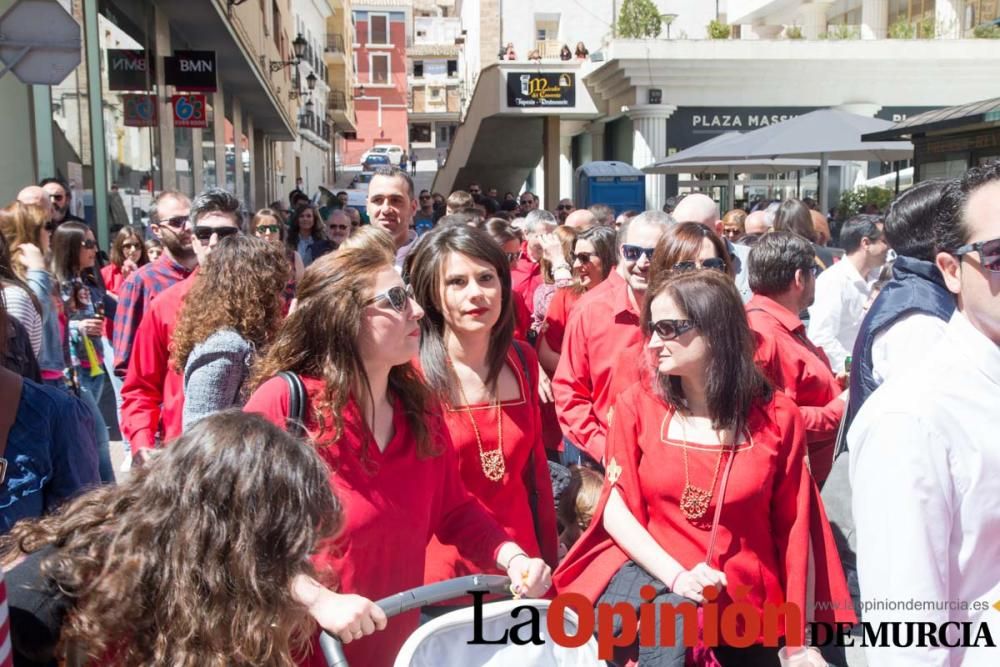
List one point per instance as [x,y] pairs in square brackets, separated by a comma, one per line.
[634,406]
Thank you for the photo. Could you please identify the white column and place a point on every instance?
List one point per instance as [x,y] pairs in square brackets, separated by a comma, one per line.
[874,19]
[649,143]
[948,19]
[813,17]
[596,132]
[565,167]
[168,148]
[219,134]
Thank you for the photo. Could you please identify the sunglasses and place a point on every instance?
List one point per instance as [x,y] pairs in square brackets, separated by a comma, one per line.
[512,257]
[131,245]
[204,233]
[565,207]
[89,244]
[732,232]
[177,222]
[670,329]
[632,253]
[398,297]
[267,229]
[989,253]
[342,228]
[583,257]
[716,263]
[424,197]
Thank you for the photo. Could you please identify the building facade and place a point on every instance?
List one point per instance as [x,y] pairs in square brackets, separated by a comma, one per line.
[340,78]
[382,33]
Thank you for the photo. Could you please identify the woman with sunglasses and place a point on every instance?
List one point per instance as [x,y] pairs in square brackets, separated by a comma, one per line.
[351,340]
[266,224]
[707,482]
[128,253]
[691,246]
[307,235]
[83,301]
[488,385]
[592,259]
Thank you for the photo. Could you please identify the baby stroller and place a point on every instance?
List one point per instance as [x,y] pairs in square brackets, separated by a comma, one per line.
[443,642]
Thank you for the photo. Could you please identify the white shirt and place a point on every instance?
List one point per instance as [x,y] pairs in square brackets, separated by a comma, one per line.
[925,468]
[904,343]
[403,251]
[836,314]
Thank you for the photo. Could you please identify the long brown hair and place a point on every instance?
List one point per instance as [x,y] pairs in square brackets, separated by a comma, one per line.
[239,287]
[682,242]
[320,337]
[733,382]
[191,560]
[426,265]
[22,223]
[127,233]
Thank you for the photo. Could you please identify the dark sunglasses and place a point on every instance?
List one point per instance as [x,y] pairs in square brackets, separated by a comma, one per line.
[565,207]
[632,253]
[989,253]
[583,257]
[342,228]
[670,329]
[268,229]
[398,297]
[203,233]
[422,197]
[716,263]
[89,244]
[131,245]
[512,257]
[177,222]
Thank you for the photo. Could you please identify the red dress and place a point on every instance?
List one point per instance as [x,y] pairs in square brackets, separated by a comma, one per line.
[770,513]
[393,504]
[507,500]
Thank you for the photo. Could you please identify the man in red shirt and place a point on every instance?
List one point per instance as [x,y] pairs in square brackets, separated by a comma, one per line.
[153,391]
[782,277]
[602,350]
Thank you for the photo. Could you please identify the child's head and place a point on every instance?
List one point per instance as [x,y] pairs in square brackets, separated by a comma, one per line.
[154,248]
[578,502]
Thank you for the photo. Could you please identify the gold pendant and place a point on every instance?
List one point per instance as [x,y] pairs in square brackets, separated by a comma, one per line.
[493,465]
[694,502]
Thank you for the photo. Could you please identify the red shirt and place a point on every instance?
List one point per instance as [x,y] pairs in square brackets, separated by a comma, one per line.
[113,279]
[507,501]
[558,313]
[525,277]
[602,355]
[771,510]
[153,391]
[393,505]
[801,371]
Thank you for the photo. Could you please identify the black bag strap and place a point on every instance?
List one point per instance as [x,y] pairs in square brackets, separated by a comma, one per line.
[296,420]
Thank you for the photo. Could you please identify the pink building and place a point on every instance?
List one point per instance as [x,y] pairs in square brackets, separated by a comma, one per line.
[381,34]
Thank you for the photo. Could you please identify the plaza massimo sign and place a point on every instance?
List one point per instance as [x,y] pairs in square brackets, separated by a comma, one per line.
[191,70]
[537,90]
[128,69]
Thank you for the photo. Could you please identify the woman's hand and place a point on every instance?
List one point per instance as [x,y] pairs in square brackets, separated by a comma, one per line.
[552,249]
[347,617]
[691,583]
[93,327]
[544,386]
[31,257]
[530,577]
[128,266]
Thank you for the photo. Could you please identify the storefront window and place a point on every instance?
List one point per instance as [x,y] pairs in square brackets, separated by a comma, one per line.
[208,171]
[245,166]
[184,159]
[230,157]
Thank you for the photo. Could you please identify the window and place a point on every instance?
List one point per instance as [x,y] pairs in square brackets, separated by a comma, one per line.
[378,28]
[452,68]
[420,133]
[276,23]
[435,93]
[380,68]
[418,69]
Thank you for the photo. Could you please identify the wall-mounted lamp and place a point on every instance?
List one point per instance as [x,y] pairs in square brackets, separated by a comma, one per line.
[310,84]
[299,45]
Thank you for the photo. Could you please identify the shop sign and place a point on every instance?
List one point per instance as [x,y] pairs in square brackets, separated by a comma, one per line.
[191,70]
[128,69]
[189,110]
[527,90]
[140,110]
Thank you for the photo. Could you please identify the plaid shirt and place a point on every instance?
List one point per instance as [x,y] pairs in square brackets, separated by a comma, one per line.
[144,285]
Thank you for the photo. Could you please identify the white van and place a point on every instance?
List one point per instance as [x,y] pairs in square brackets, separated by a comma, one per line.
[392,151]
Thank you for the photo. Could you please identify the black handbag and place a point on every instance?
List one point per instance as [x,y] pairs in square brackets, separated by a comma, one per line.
[297,398]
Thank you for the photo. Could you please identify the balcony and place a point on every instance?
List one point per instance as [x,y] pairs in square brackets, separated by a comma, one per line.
[335,51]
[340,108]
[319,130]
[336,100]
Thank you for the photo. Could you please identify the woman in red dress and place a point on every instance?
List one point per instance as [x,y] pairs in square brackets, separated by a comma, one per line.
[488,384]
[708,438]
[351,339]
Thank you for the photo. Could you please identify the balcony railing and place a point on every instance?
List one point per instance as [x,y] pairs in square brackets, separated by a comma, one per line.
[336,100]
[335,44]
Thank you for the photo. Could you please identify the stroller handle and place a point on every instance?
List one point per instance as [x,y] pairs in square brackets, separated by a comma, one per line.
[415,598]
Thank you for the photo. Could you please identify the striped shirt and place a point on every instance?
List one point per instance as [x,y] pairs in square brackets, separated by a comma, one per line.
[22,308]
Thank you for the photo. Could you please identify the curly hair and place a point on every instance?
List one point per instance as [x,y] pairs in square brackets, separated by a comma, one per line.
[191,560]
[239,287]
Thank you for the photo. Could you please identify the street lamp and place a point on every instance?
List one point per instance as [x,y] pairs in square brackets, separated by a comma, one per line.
[667,19]
[299,45]
[310,83]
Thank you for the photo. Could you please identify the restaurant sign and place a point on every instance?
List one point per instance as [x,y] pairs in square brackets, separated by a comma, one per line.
[534,90]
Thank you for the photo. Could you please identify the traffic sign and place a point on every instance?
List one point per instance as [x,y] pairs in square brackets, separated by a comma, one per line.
[39,42]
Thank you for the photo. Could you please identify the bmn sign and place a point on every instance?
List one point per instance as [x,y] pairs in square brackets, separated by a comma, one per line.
[190,70]
[128,69]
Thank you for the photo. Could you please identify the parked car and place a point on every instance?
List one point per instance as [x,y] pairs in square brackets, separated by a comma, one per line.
[392,151]
[360,182]
[373,162]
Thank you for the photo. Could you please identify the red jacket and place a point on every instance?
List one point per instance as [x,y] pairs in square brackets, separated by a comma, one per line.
[153,391]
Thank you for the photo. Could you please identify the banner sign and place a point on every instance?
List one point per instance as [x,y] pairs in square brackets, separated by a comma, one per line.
[190,70]
[189,110]
[128,69]
[527,90]
[140,110]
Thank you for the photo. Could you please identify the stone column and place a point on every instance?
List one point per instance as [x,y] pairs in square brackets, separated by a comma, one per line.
[249,130]
[874,19]
[168,148]
[550,163]
[813,16]
[649,123]
[596,132]
[197,160]
[219,132]
[565,167]
[238,147]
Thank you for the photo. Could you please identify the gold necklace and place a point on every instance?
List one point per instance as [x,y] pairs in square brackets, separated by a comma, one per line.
[695,500]
[492,461]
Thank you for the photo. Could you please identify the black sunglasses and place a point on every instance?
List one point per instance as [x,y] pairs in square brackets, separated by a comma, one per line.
[89,244]
[583,257]
[565,207]
[268,229]
[204,233]
[133,245]
[716,263]
[670,329]
[989,253]
[177,222]
[398,297]
[512,257]
[632,253]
